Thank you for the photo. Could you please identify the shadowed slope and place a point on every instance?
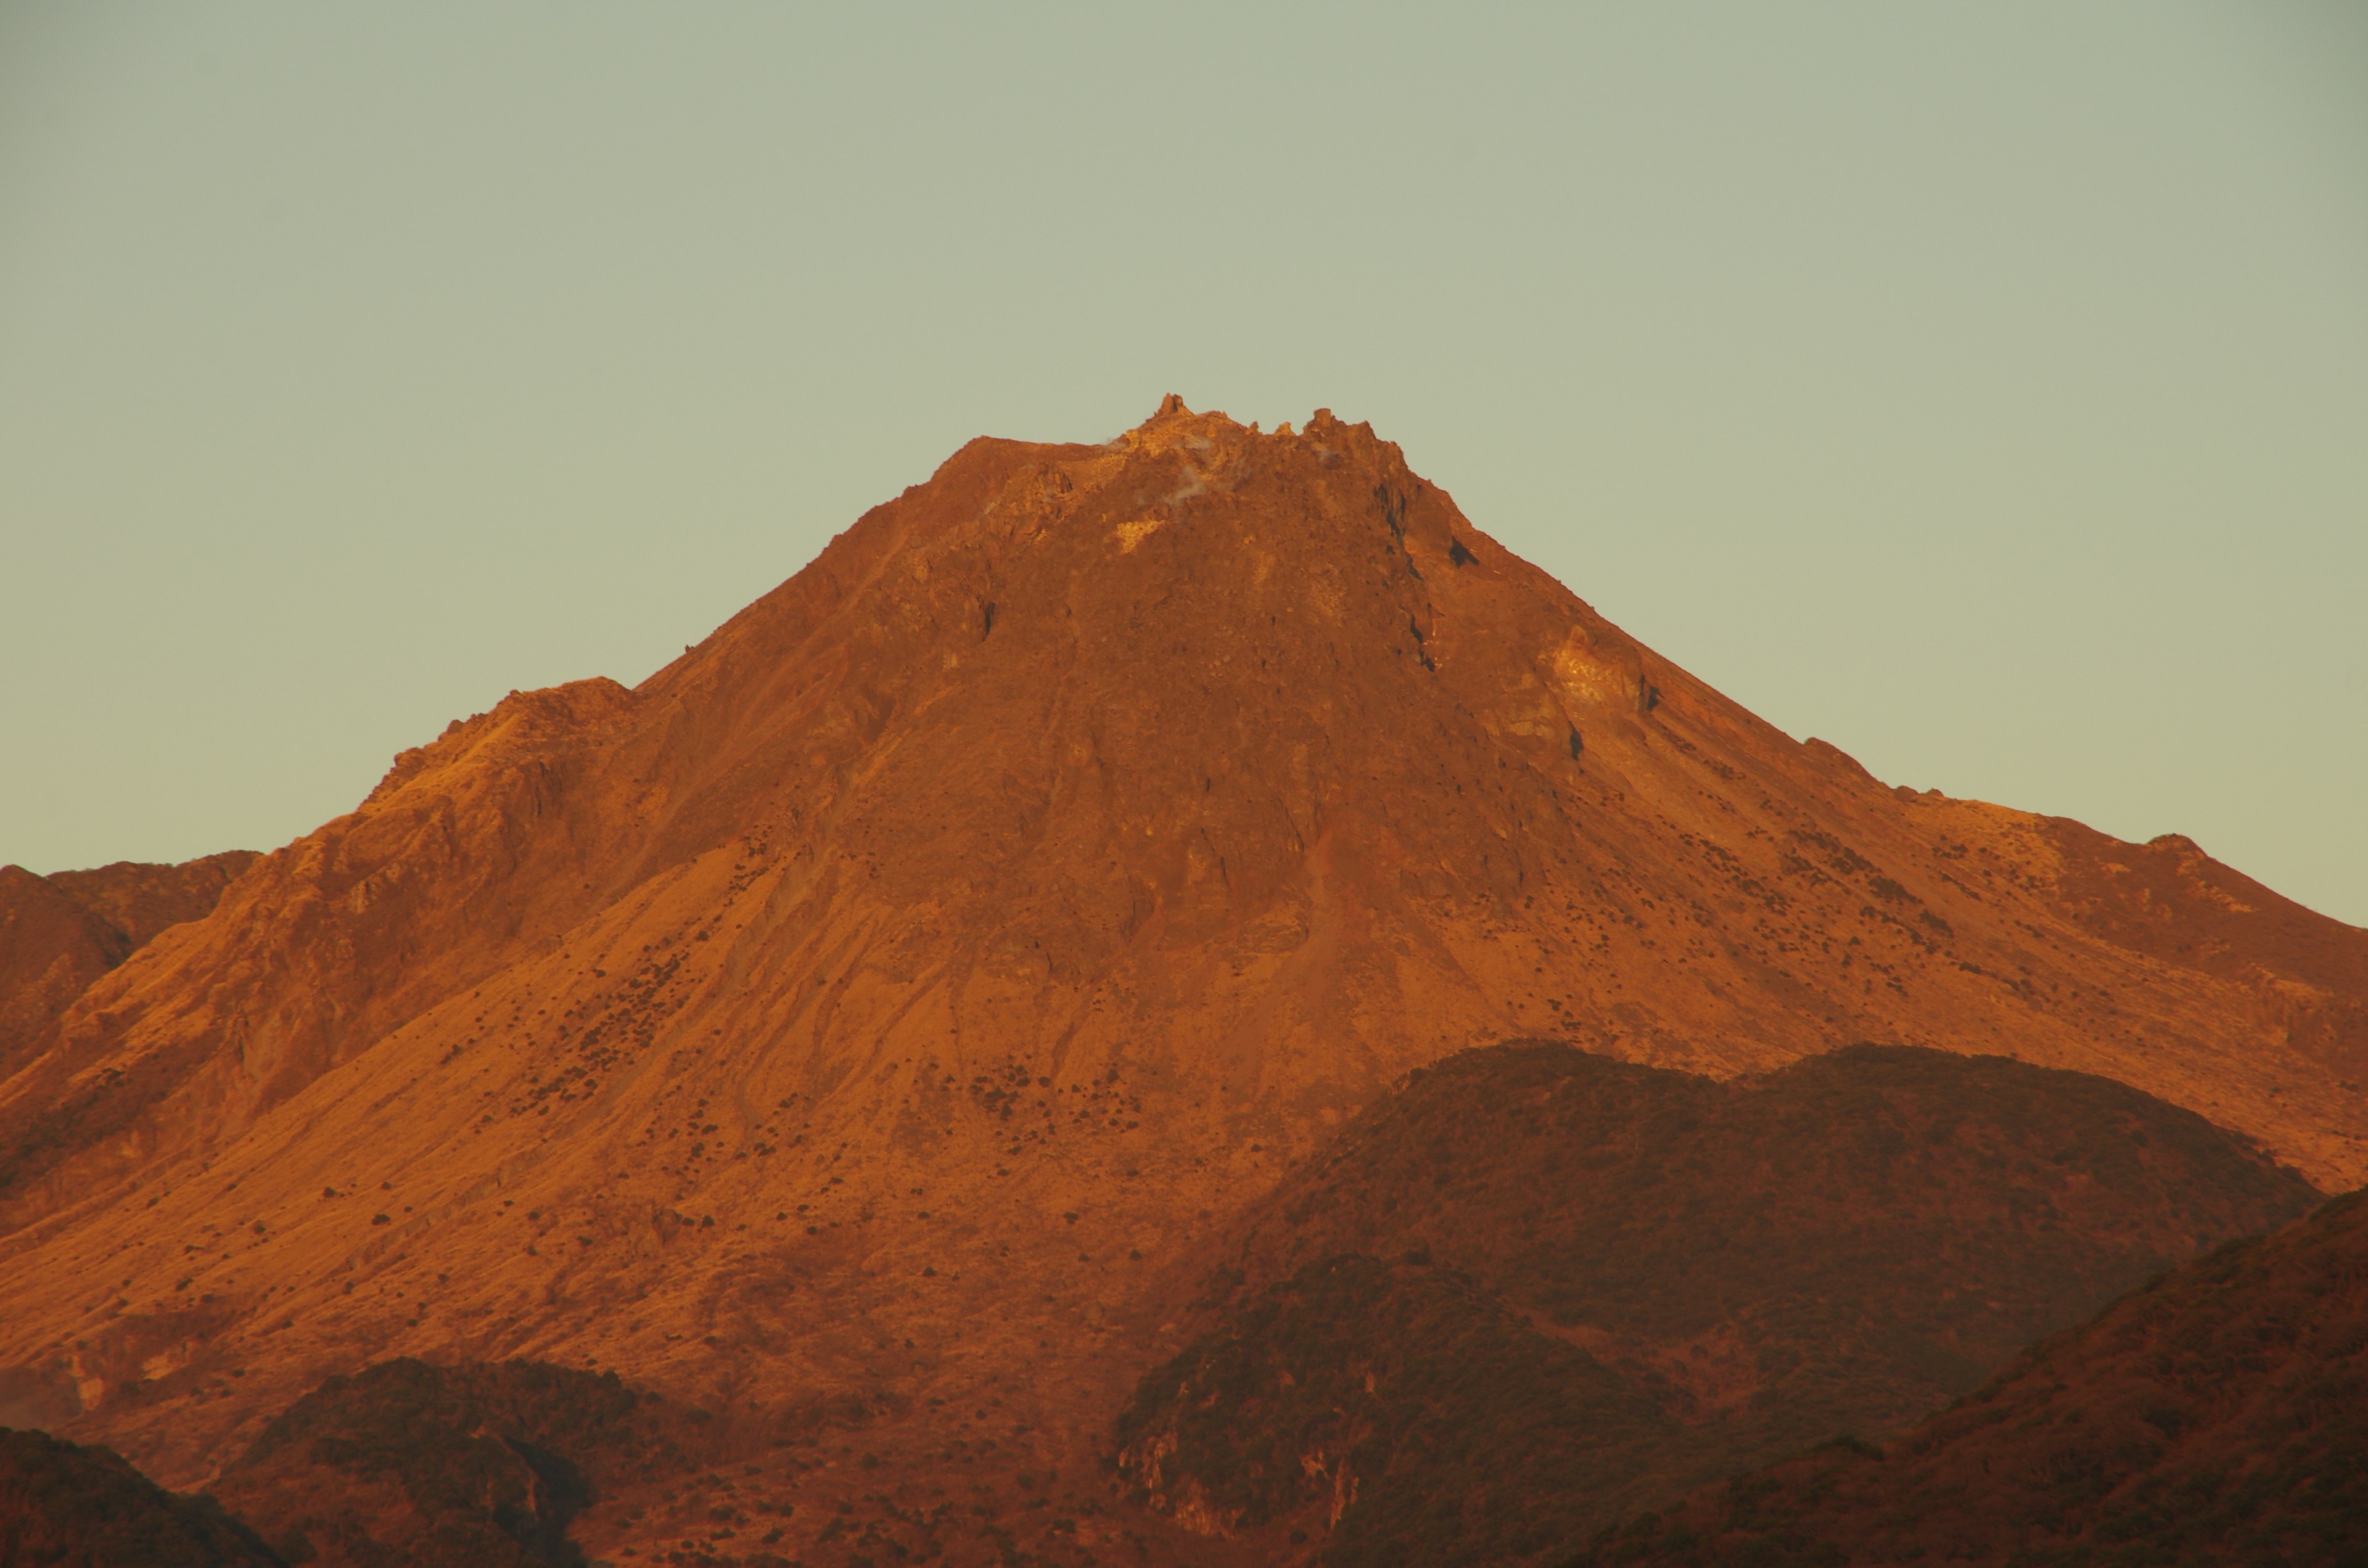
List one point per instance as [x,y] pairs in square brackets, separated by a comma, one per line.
[1536,1287]
[2218,1416]
[63,1505]
[468,1467]
[1083,836]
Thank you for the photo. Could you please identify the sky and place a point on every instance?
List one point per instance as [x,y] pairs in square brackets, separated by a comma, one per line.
[1983,389]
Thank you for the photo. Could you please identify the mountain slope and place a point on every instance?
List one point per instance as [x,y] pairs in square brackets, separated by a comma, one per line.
[61,932]
[2220,1416]
[1535,1288]
[899,983]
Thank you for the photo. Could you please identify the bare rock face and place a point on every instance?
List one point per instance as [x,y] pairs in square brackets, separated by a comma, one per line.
[878,1004]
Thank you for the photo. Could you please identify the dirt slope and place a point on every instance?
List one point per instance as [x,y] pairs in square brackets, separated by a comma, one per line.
[872,1005]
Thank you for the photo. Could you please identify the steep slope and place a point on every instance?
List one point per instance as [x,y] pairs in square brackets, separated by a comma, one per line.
[64,1505]
[2218,1416]
[61,932]
[1536,1287]
[888,991]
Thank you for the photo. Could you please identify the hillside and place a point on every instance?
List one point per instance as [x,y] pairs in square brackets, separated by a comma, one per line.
[455,1467]
[2218,1416]
[1597,1283]
[64,1505]
[1536,1287]
[877,1007]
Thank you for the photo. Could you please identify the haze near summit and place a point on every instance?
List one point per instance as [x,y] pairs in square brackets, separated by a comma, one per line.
[1979,391]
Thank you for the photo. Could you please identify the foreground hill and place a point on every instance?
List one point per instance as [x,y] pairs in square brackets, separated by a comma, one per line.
[523,1463]
[61,932]
[1538,1288]
[871,1009]
[1545,1287]
[64,1505]
[456,1467]
[2218,1416]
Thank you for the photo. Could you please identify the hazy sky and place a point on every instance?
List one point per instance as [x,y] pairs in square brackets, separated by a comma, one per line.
[1982,388]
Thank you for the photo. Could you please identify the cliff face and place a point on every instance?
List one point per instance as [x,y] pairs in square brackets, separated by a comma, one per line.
[886,993]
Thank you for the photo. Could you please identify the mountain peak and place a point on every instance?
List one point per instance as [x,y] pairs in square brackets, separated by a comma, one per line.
[898,981]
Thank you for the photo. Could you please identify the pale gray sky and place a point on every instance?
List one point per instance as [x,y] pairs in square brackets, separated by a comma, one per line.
[1983,388]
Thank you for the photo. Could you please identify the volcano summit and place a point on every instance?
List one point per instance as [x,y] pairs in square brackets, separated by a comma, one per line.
[864,1021]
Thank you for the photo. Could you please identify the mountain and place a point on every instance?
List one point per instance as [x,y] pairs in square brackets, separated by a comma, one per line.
[61,932]
[1536,1288]
[877,1009]
[2219,1416]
